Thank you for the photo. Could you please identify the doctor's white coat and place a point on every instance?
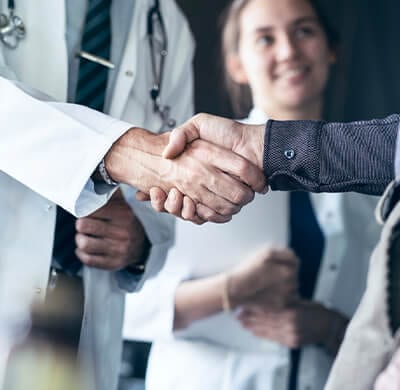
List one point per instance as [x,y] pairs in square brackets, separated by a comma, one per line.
[48,151]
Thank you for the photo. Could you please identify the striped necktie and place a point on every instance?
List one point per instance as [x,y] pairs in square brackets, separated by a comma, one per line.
[91,90]
[96,40]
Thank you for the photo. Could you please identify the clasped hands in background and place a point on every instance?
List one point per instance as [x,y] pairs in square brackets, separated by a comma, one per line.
[264,291]
[205,170]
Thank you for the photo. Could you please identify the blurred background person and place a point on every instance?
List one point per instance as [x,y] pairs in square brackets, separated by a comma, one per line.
[277,55]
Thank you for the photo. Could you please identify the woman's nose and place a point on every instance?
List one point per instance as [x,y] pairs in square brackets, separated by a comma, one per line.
[285,48]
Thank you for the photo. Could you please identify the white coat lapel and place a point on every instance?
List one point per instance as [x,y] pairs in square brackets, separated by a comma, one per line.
[128,70]
[41,57]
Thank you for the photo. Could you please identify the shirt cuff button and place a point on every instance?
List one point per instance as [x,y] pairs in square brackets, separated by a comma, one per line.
[289,154]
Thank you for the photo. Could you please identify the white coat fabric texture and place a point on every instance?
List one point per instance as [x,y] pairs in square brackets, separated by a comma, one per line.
[49,150]
[216,353]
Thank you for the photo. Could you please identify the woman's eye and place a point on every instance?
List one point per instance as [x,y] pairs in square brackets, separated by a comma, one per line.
[305,32]
[264,40]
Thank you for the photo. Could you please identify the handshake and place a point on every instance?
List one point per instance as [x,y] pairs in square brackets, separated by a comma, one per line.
[205,170]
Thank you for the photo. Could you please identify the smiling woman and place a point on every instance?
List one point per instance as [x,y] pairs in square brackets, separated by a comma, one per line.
[285,48]
[282,52]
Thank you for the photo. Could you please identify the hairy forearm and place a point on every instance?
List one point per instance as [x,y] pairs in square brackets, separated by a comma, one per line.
[135,157]
[198,299]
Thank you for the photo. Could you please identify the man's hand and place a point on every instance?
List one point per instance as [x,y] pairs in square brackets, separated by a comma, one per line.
[112,238]
[205,173]
[303,323]
[268,279]
[245,140]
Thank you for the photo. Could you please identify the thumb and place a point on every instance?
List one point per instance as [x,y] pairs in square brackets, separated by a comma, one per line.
[179,138]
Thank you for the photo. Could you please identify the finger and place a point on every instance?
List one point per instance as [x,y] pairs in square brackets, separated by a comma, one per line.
[142,196]
[189,212]
[158,198]
[225,170]
[174,202]
[279,255]
[101,229]
[96,246]
[232,190]
[96,261]
[238,167]
[216,202]
[207,214]
[264,333]
[188,209]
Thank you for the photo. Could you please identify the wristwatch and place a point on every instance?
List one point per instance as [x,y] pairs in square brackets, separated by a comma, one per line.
[104,174]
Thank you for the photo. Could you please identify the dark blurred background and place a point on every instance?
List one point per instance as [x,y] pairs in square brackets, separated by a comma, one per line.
[366,81]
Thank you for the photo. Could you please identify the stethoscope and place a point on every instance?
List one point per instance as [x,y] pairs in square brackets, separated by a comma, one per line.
[154,19]
[12,28]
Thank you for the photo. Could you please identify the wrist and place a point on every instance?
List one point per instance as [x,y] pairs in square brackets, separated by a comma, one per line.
[134,158]
[226,301]
[257,143]
[140,254]
[233,290]
[114,159]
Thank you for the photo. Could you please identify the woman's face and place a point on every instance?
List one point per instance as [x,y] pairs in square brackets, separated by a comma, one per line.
[283,54]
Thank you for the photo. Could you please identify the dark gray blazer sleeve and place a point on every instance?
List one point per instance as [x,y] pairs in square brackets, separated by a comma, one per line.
[318,156]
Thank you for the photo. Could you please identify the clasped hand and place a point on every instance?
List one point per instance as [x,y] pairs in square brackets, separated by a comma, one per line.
[205,170]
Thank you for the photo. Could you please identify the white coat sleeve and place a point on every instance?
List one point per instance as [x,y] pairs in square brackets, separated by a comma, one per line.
[53,148]
[149,312]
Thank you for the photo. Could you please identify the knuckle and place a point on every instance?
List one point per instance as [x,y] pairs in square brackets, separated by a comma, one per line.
[83,224]
[267,259]
[157,205]
[223,208]
[269,254]
[81,241]
[242,167]
[123,248]
[199,117]
[89,261]
[242,195]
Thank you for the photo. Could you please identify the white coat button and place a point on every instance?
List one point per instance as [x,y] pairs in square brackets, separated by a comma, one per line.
[129,73]
[49,207]
[333,267]
[38,290]
[329,215]
[289,154]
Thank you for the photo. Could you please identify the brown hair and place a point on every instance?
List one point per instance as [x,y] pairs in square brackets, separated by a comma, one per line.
[240,94]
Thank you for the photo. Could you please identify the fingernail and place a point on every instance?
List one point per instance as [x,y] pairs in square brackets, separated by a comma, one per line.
[172,195]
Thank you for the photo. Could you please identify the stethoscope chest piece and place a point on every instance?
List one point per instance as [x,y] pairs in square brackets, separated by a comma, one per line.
[12,29]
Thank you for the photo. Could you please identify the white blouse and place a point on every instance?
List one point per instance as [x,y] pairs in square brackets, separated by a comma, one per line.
[241,361]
